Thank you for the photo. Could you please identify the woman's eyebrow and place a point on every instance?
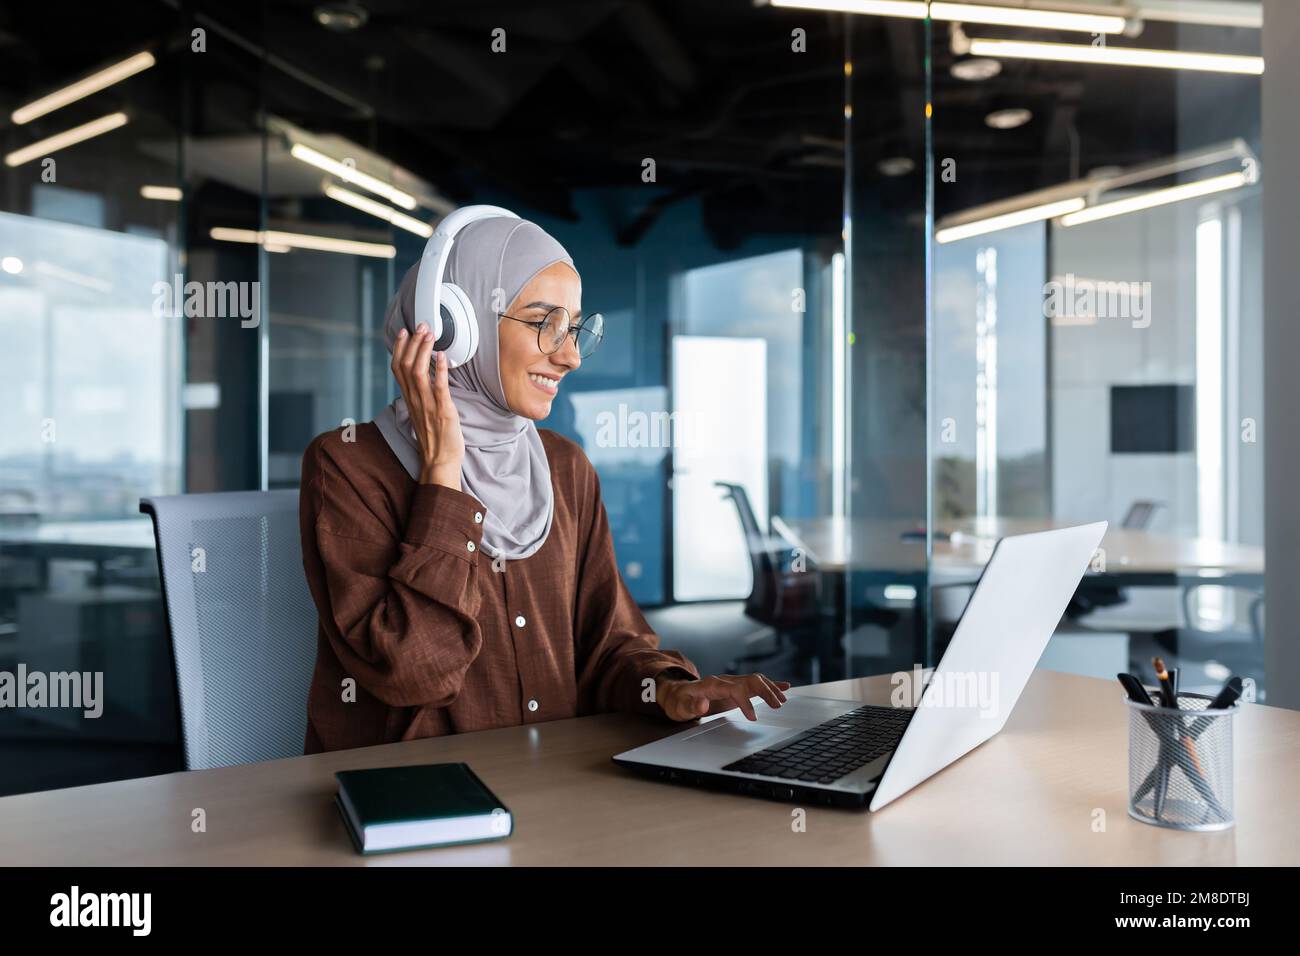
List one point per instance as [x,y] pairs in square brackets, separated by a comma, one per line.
[548,306]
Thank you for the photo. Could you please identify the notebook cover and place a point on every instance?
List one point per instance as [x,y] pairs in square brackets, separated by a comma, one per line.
[409,794]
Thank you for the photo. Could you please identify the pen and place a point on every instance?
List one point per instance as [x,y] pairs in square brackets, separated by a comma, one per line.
[1195,772]
[1223,700]
[1160,772]
[1168,697]
[1136,692]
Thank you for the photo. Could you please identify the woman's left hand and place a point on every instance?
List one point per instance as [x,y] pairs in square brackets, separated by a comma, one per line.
[689,699]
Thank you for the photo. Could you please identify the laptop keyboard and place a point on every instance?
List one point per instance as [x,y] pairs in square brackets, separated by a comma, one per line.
[824,753]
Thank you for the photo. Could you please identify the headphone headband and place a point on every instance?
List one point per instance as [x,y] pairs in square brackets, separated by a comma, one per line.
[458,219]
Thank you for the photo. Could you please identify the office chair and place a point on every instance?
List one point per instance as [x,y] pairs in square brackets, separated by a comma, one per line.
[241,620]
[1140,514]
[1087,600]
[785,601]
[1237,648]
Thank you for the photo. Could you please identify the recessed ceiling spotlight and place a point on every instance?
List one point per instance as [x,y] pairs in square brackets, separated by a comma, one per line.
[895,166]
[1008,119]
[976,69]
[341,17]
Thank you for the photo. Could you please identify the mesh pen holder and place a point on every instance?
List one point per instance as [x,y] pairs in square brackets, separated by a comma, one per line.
[1180,764]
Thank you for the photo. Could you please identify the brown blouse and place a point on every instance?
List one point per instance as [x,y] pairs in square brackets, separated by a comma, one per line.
[437,640]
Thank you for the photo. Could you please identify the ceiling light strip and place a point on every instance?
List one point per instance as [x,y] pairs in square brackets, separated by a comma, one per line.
[1033,18]
[350,174]
[1009,220]
[1117,56]
[65,139]
[83,88]
[399,219]
[1158,197]
[297,240]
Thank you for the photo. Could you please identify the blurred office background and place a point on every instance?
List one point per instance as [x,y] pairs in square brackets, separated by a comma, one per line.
[853,333]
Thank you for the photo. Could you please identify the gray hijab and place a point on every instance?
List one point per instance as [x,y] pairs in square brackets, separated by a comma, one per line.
[505,464]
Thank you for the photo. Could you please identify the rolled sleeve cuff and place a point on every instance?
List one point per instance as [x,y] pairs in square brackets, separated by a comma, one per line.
[446,519]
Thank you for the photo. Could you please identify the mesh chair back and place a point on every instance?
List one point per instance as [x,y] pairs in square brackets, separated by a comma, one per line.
[242,622]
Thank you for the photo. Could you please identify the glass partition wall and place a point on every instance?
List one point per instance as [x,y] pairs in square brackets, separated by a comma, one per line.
[199,289]
[877,291]
[1097,320]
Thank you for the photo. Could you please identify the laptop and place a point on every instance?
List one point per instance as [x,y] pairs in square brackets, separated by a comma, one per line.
[848,753]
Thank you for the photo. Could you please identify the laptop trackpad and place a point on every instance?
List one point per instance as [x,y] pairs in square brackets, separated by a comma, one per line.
[742,734]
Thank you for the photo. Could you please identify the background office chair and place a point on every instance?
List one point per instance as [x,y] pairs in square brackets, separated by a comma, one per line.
[1202,652]
[783,599]
[241,619]
[1088,599]
[1140,514]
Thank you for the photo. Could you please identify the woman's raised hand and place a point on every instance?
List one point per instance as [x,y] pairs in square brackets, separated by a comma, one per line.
[433,414]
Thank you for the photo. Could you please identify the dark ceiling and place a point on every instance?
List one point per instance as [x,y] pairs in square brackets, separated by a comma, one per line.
[587,89]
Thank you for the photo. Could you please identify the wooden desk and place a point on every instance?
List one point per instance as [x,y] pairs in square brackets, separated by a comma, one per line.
[1027,796]
[839,544]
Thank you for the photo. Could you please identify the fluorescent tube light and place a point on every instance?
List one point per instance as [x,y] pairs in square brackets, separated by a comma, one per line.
[298,240]
[911,9]
[67,138]
[1158,197]
[399,219]
[349,174]
[165,193]
[1117,56]
[1027,17]
[83,88]
[1008,220]
[1206,13]
[968,13]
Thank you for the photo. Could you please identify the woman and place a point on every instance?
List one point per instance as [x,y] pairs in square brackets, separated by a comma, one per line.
[460,558]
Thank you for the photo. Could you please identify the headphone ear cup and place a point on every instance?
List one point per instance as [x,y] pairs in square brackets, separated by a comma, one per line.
[459,326]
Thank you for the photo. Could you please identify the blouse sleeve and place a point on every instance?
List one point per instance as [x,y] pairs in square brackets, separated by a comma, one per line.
[400,609]
[618,654]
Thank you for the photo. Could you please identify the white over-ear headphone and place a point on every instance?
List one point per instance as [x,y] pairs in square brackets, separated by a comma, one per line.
[443,306]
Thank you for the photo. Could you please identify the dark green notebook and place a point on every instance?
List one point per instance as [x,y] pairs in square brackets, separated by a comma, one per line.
[402,808]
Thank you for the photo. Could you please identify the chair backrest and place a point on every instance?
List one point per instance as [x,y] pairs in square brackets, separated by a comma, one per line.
[1140,514]
[761,603]
[1254,610]
[242,622]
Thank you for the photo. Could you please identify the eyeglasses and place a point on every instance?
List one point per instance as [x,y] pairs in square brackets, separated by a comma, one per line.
[552,331]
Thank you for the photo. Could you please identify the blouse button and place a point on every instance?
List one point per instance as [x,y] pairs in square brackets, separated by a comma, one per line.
[478,517]
[519,621]
[532,705]
[469,545]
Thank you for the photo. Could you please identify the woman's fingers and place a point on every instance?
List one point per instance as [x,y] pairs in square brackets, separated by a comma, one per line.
[758,684]
[420,369]
[731,692]
[723,692]
[740,693]
[399,350]
[408,354]
[778,687]
[442,387]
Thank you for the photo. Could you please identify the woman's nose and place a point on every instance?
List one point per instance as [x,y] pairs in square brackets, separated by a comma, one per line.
[567,355]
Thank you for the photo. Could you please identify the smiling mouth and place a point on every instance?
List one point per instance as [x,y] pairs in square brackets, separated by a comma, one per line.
[547,385]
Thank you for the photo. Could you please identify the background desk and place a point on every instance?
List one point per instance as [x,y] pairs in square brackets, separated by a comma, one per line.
[1026,796]
[867,544]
